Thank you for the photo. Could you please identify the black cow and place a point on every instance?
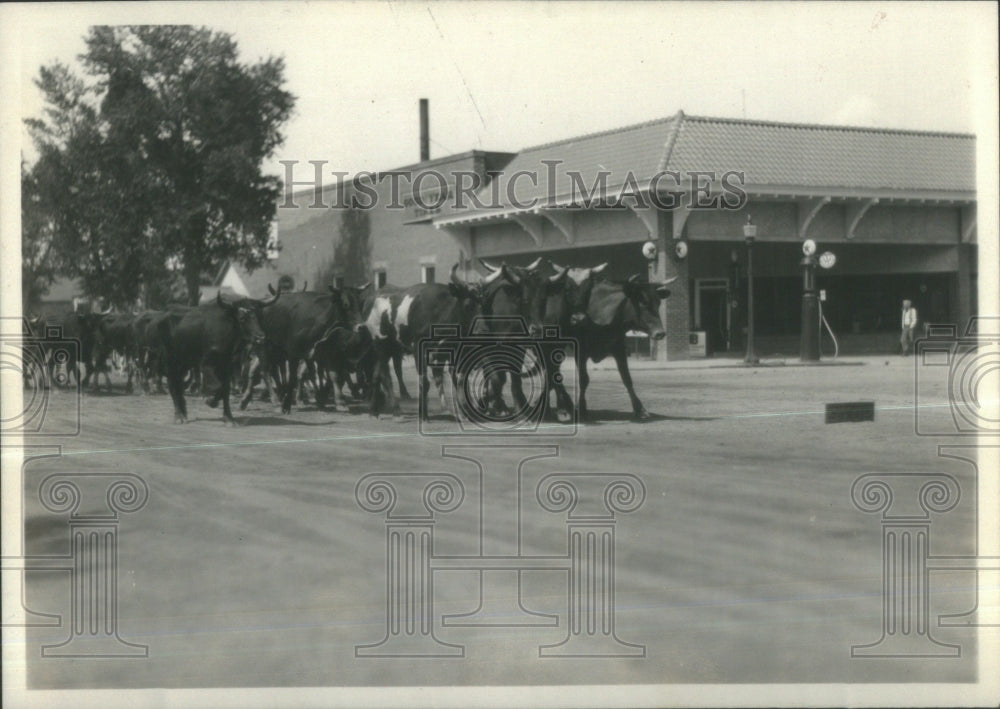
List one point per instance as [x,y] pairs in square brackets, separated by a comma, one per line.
[601,312]
[151,352]
[512,305]
[86,329]
[301,321]
[118,337]
[402,321]
[208,336]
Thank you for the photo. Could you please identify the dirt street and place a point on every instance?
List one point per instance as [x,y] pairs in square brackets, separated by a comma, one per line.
[738,557]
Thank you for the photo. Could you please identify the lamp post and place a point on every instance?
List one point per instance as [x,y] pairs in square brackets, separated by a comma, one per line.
[749,234]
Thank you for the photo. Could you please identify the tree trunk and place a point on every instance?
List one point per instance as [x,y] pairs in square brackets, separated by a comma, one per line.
[192,277]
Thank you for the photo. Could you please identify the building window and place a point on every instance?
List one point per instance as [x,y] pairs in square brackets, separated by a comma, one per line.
[427,273]
[380,279]
[273,245]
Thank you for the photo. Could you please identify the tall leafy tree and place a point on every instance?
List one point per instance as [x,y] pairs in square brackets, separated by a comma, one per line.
[163,147]
[38,258]
[353,252]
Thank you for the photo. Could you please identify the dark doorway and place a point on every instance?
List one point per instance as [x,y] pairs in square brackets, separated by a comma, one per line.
[713,314]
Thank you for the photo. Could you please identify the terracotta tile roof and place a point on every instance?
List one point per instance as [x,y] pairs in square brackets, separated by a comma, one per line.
[826,156]
[769,153]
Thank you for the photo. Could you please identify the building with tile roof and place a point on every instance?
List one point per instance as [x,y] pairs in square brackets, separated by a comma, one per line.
[896,208]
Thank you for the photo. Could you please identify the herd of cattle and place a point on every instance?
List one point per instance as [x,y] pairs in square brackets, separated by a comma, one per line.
[351,337]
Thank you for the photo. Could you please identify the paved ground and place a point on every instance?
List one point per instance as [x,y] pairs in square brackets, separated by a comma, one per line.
[252,564]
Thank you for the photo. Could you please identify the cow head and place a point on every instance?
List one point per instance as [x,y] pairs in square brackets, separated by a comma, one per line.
[92,330]
[546,294]
[468,299]
[579,282]
[642,305]
[512,293]
[349,299]
[247,313]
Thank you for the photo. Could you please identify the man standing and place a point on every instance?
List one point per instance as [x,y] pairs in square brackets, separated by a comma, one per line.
[909,325]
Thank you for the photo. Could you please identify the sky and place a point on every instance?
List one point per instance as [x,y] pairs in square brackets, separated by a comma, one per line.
[505,76]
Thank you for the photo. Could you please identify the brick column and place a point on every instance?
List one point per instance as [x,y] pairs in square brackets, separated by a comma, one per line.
[962,306]
[674,311]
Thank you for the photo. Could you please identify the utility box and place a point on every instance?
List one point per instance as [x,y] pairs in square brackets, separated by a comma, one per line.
[698,344]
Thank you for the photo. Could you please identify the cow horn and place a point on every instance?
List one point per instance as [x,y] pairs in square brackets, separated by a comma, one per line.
[492,276]
[668,281]
[534,264]
[634,278]
[271,301]
[454,276]
[34,318]
[363,286]
[270,289]
[558,267]
[560,274]
[108,311]
[598,269]
[490,266]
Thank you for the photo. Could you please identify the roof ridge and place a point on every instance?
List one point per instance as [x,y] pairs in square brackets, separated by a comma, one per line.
[825,126]
[596,134]
[668,147]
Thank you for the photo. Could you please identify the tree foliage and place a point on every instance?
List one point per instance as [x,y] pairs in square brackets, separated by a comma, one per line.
[38,259]
[156,158]
[353,250]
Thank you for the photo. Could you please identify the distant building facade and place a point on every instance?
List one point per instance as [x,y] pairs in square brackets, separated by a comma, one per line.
[896,208]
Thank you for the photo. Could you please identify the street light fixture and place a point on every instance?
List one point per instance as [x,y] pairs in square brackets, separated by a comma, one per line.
[749,234]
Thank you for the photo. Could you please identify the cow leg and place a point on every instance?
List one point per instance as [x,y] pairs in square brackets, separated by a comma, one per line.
[584,378]
[494,389]
[397,365]
[621,359]
[225,377]
[422,386]
[338,395]
[382,384]
[107,379]
[290,387]
[377,383]
[554,383]
[175,382]
[438,374]
[129,371]
[253,368]
[517,391]
[302,374]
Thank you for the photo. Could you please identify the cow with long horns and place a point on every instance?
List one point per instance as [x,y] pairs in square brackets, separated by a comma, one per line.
[300,323]
[208,336]
[601,312]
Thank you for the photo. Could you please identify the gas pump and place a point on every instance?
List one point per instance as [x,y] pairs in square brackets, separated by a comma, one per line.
[827,260]
[809,342]
[813,320]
